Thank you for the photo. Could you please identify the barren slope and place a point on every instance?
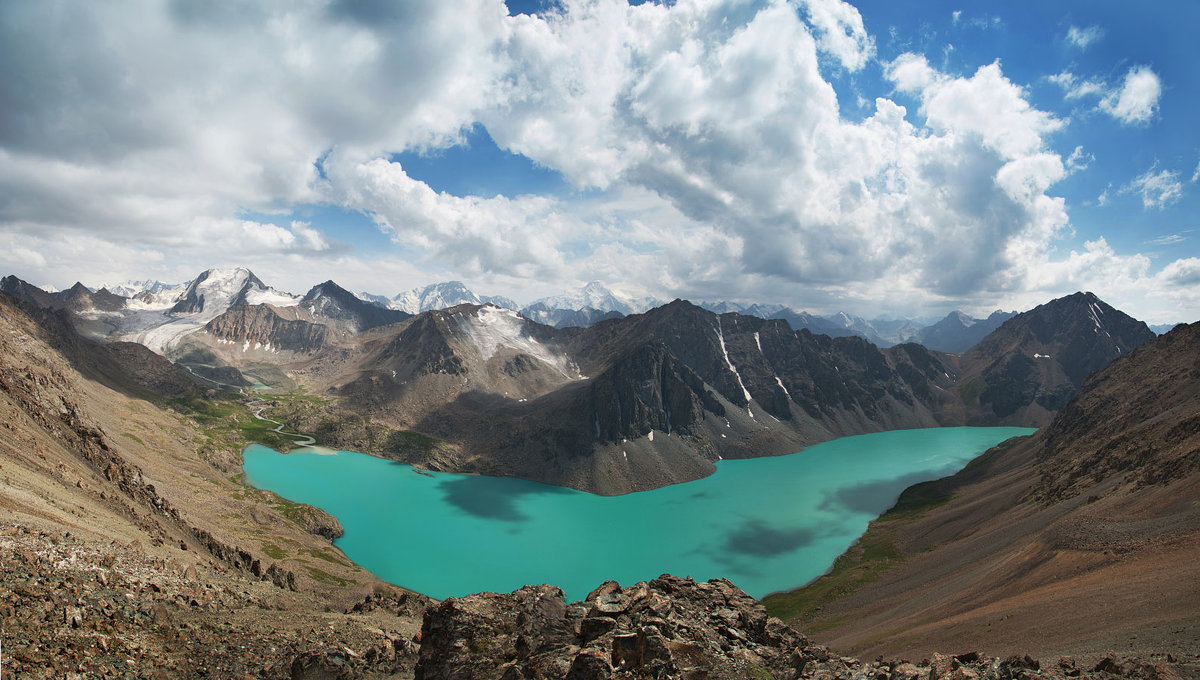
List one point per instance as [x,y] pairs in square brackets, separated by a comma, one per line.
[114,473]
[1084,538]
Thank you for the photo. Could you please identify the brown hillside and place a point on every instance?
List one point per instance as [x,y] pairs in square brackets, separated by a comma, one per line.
[1082,539]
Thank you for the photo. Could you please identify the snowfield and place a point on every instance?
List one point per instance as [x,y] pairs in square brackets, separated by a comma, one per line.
[492,328]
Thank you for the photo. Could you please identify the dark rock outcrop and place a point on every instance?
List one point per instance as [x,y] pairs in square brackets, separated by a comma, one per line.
[260,325]
[330,303]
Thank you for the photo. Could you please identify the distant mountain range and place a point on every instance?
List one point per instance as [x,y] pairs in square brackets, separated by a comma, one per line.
[627,402]
[956,332]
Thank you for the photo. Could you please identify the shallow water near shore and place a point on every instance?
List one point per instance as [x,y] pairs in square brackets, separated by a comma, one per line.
[767,524]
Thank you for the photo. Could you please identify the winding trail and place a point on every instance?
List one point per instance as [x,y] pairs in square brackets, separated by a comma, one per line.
[301,439]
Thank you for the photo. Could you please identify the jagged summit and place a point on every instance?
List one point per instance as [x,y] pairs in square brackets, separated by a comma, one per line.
[1035,361]
[958,332]
[224,288]
[435,296]
[330,302]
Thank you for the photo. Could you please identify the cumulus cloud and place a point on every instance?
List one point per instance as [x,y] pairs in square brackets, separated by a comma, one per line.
[709,151]
[1137,99]
[1183,272]
[1084,37]
[840,32]
[1158,188]
[1134,101]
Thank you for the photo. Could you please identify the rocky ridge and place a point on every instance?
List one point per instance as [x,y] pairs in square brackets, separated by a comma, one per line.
[676,628]
[1031,366]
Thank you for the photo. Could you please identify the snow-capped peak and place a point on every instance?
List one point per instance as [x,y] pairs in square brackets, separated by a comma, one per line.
[380,300]
[596,296]
[434,296]
[131,288]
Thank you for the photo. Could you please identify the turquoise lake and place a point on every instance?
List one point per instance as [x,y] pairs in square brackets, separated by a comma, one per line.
[767,524]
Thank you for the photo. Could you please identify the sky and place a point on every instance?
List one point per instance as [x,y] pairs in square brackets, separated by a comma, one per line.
[881,158]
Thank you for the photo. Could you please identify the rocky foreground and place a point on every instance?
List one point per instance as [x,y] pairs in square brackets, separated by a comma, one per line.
[77,608]
[677,628]
[74,608]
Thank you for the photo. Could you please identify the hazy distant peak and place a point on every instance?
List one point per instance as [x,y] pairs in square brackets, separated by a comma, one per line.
[434,296]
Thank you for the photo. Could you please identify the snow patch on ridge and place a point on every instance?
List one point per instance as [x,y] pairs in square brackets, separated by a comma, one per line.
[270,296]
[732,368]
[491,328]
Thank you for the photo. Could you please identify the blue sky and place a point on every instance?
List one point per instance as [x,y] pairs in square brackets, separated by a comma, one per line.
[874,157]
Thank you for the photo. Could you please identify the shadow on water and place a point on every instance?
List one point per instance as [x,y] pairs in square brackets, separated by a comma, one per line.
[755,537]
[493,498]
[875,497]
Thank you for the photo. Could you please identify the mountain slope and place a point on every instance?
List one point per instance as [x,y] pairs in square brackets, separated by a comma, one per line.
[958,332]
[1034,362]
[333,305]
[628,403]
[120,523]
[1081,539]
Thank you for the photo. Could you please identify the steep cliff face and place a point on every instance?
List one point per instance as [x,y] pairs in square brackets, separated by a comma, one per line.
[260,326]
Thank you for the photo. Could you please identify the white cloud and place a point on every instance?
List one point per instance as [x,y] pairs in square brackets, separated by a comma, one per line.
[1183,272]
[1083,37]
[1196,174]
[1169,239]
[987,105]
[840,32]
[1079,159]
[1134,101]
[1137,100]
[711,153]
[1158,188]
[1074,88]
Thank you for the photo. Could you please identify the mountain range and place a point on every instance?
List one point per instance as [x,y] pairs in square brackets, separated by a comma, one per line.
[626,403]
[121,487]
[593,302]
